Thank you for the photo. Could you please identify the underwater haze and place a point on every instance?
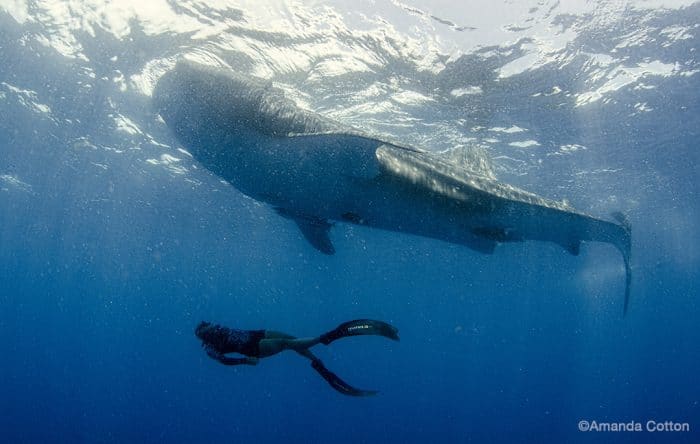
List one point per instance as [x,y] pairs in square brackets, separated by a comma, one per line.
[115,242]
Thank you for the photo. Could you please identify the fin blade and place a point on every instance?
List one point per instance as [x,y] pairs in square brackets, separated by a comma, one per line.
[338,384]
[361,327]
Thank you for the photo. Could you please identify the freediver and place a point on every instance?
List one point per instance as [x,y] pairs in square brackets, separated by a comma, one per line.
[255,344]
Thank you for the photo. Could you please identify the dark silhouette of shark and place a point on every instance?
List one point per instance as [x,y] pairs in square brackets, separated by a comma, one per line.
[313,171]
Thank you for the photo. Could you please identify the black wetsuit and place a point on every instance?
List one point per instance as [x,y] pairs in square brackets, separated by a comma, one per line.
[218,340]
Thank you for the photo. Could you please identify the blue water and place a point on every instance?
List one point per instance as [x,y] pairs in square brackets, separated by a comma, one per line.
[114,244]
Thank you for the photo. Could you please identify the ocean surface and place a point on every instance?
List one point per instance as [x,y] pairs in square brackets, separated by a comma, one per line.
[114,243]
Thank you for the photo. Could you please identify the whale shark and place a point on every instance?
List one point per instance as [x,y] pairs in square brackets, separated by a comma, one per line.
[317,172]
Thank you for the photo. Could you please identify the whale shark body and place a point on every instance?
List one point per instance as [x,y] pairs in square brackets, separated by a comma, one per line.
[314,171]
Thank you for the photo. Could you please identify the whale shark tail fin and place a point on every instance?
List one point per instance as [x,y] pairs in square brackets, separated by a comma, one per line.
[624,244]
[337,383]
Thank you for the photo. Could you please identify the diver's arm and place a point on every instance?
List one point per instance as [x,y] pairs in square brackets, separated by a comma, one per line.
[230,361]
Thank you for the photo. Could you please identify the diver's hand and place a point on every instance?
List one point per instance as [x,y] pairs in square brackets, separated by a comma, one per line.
[251,361]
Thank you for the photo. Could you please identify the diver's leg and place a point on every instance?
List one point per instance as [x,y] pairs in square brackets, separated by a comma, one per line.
[307,354]
[275,342]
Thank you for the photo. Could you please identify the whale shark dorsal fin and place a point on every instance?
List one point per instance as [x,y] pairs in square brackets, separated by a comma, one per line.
[315,230]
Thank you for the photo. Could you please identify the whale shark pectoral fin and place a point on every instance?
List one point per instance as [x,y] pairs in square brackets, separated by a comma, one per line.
[315,230]
[317,234]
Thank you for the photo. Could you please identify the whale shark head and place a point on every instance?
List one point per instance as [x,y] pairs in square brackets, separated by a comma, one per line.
[212,112]
[194,98]
[203,104]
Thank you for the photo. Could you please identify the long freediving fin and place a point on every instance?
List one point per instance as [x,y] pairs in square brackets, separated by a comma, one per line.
[315,230]
[337,383]
[360,327]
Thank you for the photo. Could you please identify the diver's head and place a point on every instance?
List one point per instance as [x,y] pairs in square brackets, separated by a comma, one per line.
[202,330]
